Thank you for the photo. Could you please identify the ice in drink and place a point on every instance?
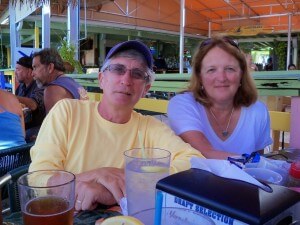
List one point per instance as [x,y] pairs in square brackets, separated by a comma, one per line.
[141,176]
[141,186]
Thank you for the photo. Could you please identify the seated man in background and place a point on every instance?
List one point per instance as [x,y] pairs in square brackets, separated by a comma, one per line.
[292,67]
[30,96]
[89,138]
[48,71]
[12,129]
[160,64]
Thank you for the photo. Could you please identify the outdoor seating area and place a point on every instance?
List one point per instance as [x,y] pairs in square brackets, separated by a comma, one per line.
[168,85]
[149,112]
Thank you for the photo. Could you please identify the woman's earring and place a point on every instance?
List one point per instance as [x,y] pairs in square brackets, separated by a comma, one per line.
[202,88]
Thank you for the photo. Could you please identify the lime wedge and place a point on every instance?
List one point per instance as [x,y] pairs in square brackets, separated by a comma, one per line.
[122,220]
[154,169]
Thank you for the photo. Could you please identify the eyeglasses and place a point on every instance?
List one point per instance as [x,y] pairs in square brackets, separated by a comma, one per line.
[229,40]
[120,70]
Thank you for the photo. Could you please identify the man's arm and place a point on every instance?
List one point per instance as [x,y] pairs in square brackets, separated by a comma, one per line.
[161,135]
[53,94]
[89,194]
[29,102]
[104,185]
[100,186]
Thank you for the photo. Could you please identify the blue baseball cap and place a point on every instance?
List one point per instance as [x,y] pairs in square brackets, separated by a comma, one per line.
[136,45]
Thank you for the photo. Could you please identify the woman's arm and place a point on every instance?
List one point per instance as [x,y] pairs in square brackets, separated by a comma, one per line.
[198,141]
[14,106]
[23,122]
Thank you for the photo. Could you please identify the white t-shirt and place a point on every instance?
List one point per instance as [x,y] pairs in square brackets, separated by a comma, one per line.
[252,132]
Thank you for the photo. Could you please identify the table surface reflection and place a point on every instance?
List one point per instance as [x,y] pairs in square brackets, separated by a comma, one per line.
[82,218]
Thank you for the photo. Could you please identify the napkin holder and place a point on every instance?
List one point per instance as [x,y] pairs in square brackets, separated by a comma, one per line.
[228,201]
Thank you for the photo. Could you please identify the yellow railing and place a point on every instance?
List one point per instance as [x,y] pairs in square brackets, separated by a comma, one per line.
[147,104]
[280,121]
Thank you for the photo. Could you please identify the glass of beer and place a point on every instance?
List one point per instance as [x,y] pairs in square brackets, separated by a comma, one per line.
[47,197]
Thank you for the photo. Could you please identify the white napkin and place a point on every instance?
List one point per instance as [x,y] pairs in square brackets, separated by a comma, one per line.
[224,168]
[123,206]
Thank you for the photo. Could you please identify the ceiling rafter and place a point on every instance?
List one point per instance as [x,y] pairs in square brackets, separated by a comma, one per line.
[251,9]
[284,7]
[208,9]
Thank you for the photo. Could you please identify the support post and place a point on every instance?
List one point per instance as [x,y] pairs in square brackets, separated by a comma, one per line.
[182,24]
[46,12]
[73,26]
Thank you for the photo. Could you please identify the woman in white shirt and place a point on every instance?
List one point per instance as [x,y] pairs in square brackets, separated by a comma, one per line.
[219,114]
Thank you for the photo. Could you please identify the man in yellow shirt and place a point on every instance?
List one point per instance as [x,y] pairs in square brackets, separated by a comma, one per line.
[89,138]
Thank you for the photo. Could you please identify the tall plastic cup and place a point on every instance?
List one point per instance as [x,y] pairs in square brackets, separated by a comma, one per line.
[143,168]
[47,197]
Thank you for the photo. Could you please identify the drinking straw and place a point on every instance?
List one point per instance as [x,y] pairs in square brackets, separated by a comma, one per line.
[141,144]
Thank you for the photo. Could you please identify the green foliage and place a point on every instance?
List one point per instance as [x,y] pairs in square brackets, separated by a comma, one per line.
[67,52]
[246,47]
[279,49]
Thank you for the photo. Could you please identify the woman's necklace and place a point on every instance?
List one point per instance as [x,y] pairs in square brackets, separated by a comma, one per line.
[224,132]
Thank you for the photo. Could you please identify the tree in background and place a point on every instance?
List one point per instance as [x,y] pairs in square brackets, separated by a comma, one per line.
[67,53]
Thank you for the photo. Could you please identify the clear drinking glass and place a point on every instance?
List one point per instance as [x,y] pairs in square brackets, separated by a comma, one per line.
[143,168]
[47,197]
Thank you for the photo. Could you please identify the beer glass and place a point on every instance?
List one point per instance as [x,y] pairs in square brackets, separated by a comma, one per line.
[47,197]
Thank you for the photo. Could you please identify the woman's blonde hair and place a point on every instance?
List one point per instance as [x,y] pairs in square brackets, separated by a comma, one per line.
[246,93]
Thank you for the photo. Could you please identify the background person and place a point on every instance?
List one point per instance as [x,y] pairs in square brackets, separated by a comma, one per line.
[269,65]
[89,138]
[292,67]
[48,71]
[187,65]
[252,66]
[219,113]
[160,64]
[29,95]
[12,128]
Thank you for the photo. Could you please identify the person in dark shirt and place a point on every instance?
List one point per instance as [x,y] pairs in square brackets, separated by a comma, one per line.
[30,96]
[269,65]
[160,64]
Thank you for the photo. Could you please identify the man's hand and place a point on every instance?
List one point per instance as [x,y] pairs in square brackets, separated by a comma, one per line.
[109,181]
[89,194]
